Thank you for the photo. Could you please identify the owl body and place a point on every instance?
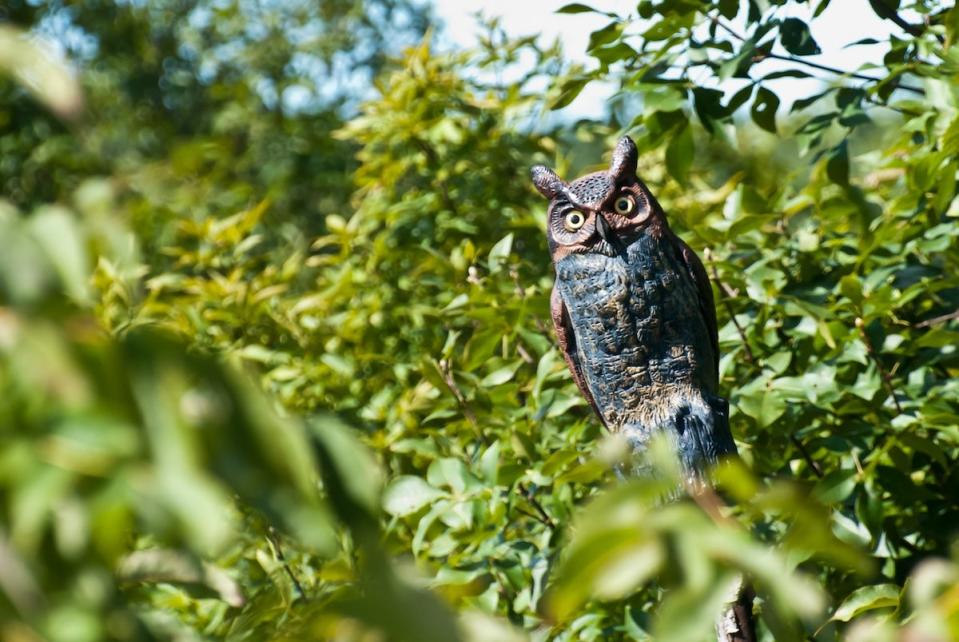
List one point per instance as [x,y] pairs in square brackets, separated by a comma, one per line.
[634,313]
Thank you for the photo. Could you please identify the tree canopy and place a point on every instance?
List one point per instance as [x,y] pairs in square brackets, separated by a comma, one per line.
[275,348]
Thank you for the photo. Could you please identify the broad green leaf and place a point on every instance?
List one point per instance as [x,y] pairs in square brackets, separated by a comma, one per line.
[407,494]
[605,35]
[56,230]
[168,566]
[501,375]
[607,564]
[568,92]
[867,598]
[499,254]
[679,154]
[835,487]
[39,71]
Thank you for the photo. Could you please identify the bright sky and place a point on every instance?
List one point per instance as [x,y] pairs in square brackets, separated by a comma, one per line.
[844,22]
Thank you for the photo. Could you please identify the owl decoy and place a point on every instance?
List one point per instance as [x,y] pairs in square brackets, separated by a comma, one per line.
[634,312]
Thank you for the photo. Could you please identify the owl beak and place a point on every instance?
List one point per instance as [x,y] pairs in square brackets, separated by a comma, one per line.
[605,231]
[607,234]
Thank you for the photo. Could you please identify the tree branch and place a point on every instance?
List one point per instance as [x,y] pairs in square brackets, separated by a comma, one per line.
[274,541]
[883,10]
[813,65]
[937,320]
[725,292]
[528,495]
[834,70]
[883,373]
[812,463]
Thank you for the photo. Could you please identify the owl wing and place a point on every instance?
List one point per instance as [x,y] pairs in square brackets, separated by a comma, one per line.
[707,304]
[567,345]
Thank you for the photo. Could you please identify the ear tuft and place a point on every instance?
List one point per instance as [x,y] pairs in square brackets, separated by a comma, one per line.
[624,160]
[546,181]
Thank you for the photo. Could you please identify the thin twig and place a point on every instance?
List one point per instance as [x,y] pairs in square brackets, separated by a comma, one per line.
[538,518]
[274,541]
[716,21]
[528,494]
[937,320]
[524,355]
[444,367]
[711,504]
[520,290]
[812,463]
[840,72]
[878,103]
[883,373]
[889,13]
[855,459]
[725,290]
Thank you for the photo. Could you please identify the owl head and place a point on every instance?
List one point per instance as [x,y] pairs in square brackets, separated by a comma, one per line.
[600,212]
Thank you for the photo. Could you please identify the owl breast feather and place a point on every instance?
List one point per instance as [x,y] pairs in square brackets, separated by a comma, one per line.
[643,344]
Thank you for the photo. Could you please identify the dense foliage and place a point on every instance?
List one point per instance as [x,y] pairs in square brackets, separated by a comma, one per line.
[275,352]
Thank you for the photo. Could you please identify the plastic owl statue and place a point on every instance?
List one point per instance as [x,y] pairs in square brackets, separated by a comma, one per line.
[634,312]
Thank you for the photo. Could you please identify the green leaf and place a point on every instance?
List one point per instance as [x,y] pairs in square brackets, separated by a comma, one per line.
[835,487]
[605,36]
[453,474]
[803,103]
[822,6]
[787,73]
[679,154]
[607,564]
[575,7]
[796,38]
[690,614]
[39,71]
[358,471]
[407,494]
[57,231]
[613,53]
[837,165]
[569,90]
[867,598]
[761,402]
[739,98]
[728,8]
[501,375]
[708,106]
[764,109]
[499,253]
[174,567]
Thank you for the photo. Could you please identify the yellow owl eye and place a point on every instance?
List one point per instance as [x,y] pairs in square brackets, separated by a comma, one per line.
[574,220]
[624,205]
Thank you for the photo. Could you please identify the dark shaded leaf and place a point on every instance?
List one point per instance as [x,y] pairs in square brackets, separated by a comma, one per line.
[764,109]
[708,106]
[796,38]
[575,7]
[837,167]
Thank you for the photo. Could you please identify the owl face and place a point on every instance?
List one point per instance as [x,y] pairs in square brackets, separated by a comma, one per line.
[600,212]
